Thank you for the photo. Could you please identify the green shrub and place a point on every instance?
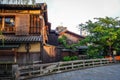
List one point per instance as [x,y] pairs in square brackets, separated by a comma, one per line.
[68,58]
[74,58]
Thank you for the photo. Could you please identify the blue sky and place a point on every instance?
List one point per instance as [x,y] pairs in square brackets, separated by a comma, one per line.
[70,13]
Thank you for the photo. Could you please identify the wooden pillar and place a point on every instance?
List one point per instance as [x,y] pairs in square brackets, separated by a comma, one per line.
[27,47]
[3,23]
[15,55]
[41,51]
[43,29]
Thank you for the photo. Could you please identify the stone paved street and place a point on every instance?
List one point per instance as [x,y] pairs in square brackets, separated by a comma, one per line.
[111,72]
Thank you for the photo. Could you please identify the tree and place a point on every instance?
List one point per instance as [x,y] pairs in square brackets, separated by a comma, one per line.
[33,1]
[65,44]
[104,35]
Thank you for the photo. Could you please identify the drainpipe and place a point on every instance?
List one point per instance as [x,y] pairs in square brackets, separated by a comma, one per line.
[43,23]
[42,34]
[43,42]
[42,31]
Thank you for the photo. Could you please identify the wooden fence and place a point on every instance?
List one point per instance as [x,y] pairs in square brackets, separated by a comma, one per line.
[35,70]
[7,71]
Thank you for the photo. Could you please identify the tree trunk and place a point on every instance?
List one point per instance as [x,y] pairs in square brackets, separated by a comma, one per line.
[111,53]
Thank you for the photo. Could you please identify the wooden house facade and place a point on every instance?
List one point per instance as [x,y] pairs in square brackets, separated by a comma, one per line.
[71,36]
[24,31]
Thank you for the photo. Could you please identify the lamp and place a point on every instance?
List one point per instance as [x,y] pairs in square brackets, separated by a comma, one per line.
[27,47]
[11,20]
[41,17]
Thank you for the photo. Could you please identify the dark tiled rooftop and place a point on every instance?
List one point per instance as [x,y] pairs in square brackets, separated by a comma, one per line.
[53,38]
[21,6]
[77,35]
[20,39]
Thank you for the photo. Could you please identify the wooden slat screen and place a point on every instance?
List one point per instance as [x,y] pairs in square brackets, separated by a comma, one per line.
[22,24]
[35,26]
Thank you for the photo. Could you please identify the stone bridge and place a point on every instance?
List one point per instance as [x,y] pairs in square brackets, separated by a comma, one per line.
[111,72]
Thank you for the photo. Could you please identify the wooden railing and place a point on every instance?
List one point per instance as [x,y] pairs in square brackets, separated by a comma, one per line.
[36,70]
[9,30]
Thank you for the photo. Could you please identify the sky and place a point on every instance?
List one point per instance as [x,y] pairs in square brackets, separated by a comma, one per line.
[70,13]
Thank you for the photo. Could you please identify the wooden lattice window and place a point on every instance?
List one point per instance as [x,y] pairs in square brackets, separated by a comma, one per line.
[35,26]
[22,24]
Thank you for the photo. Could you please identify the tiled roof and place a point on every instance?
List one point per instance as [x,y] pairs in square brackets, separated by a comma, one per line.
[20,6]
[53,38]
[77,35]
[21,39]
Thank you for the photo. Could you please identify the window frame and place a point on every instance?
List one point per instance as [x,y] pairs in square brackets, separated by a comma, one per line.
[7,29]
[11,17]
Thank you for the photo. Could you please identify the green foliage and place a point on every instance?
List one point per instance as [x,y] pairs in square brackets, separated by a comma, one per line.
[63,42]
[70,58]
[66,58]
[74,58]
[104,35]
[94,52]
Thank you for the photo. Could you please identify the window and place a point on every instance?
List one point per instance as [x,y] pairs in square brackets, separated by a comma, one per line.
[7,24]
[35,25]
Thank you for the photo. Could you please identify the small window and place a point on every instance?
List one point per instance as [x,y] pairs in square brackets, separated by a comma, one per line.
[9,22]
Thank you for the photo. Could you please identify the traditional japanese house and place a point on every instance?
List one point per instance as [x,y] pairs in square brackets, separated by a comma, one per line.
[72,38]
[24,31]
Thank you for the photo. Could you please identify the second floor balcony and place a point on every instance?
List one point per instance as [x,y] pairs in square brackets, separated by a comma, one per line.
[9,30]
[20,24]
